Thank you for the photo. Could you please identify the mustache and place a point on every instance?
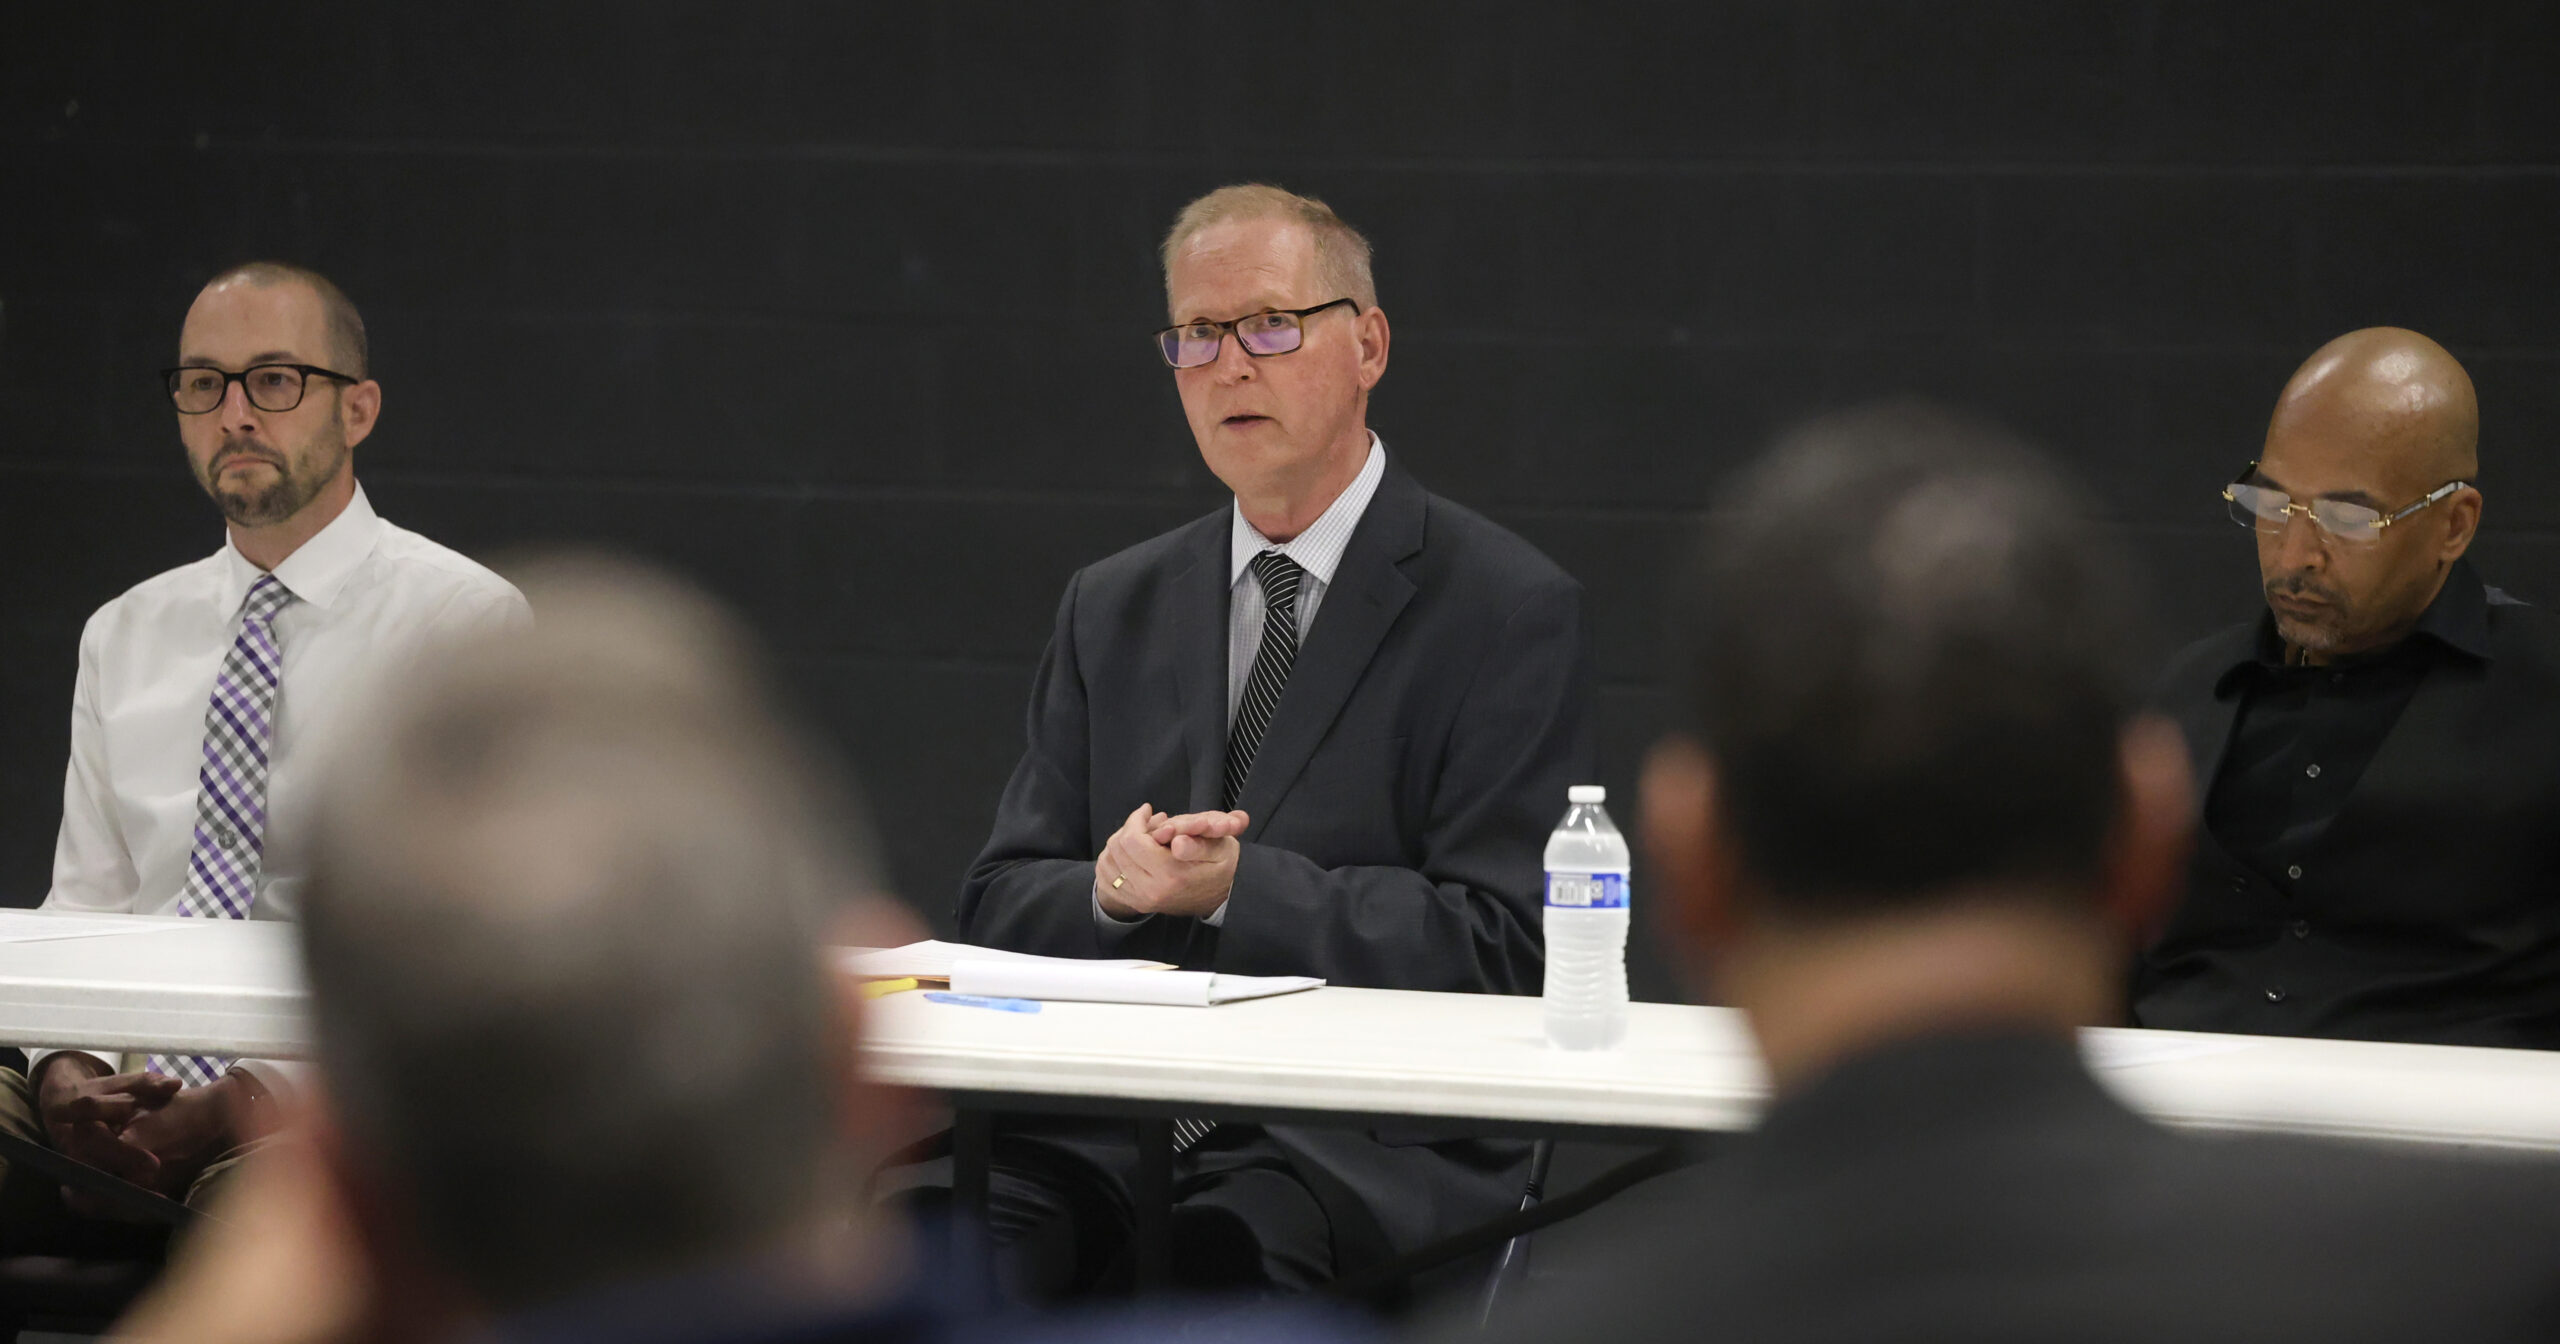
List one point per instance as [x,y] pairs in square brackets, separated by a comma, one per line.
[249,448]
[2304,586]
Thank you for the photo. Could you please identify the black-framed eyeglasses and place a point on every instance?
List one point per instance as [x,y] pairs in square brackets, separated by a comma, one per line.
[197,388]
[2262,508]
[1273,331]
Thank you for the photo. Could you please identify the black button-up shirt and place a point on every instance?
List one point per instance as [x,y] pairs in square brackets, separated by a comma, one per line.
[2381,847]
[2305,734]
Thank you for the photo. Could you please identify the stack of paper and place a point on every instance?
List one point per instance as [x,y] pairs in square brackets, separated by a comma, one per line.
[932,960]
[1105,982]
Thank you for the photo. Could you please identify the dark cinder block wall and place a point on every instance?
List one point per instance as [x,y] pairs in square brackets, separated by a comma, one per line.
[841,308]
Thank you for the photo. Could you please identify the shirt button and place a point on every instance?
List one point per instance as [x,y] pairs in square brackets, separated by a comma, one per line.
[2275,996]
[2294,872]
[2311,770]
[2302,928]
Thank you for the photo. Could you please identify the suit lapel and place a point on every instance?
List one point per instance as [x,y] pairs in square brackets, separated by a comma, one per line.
[1199,595]
[1367,594]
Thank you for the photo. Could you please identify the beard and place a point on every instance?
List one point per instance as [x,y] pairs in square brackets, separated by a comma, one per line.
[294,478]
[2319,635]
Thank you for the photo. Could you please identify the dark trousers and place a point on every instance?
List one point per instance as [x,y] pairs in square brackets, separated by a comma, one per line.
[1061,1215]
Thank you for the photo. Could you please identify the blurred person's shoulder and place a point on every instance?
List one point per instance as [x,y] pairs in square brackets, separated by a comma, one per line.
[2094,1237]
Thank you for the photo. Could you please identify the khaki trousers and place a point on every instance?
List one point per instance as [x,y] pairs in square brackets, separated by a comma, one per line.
[33,1218]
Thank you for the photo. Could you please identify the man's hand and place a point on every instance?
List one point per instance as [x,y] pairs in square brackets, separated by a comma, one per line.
[1161,864]
[188,1131]
[87,1110]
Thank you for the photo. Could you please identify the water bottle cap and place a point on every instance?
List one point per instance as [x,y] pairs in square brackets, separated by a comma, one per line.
[1586,793]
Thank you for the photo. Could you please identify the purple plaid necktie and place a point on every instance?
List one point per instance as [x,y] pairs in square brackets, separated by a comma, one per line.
[231,789]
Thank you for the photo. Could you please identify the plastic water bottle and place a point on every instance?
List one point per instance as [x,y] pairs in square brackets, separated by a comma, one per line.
[1586,926]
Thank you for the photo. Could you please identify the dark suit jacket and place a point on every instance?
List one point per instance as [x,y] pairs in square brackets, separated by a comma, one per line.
[1400,801]
[1984,1188]
[2432,911]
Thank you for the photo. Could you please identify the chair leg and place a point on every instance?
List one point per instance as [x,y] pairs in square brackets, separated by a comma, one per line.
[1513,1264]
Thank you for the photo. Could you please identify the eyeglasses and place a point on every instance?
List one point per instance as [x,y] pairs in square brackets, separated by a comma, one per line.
[1275,331]
[271,387]
[2263,509]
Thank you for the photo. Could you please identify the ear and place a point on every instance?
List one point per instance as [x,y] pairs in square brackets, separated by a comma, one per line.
[2145,866]
[2461,524]
[1690,869]
[359,409]
[1373,347]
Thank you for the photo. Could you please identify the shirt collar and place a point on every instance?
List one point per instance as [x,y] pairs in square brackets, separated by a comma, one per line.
[318,570]
[1318,549]
[2458,620]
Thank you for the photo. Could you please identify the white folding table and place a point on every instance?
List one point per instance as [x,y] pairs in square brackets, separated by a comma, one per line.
[235,988]
[1356,1057]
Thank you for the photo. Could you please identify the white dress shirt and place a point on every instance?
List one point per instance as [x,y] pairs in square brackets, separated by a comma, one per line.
[1318,550]
[366,593]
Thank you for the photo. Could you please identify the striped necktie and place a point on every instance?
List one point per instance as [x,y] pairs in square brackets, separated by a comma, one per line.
[231,789]
[1280,578]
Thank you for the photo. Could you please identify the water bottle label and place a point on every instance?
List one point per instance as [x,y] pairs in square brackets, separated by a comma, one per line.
[1587,891]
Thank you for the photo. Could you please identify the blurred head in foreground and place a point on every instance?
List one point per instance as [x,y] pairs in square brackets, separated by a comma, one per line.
[563,949]
[1917,795]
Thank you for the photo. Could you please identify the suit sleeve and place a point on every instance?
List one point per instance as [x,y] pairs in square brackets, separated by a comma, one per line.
[1468,917]
[1031,889]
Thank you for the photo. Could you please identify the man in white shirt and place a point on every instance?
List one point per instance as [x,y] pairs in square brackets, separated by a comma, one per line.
[206,694]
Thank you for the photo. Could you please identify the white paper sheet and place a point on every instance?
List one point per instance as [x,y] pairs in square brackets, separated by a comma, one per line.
[932,960]
[1099,982]
[29,926]
[2115,1048]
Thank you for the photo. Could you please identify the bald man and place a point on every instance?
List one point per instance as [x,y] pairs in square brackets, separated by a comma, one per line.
[203,698]
[2380,856]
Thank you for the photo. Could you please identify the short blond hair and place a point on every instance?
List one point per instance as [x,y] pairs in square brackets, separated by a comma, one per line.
[1342,254]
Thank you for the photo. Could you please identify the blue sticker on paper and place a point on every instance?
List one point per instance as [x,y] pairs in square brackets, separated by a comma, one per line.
[1587,891]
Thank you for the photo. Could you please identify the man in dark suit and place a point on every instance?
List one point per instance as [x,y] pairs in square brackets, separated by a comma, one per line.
[1324,731]
[1911,839]
[2381,848]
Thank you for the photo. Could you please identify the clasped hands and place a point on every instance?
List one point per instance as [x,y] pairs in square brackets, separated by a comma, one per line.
[1161,864]
[141,1127]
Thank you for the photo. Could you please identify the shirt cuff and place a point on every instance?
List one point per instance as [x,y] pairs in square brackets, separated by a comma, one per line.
[281,1078]
[1108,924]
[35,1060]
[1217,919]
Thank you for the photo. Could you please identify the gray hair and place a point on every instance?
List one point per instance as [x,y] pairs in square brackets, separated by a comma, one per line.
[562,937]
[1342,254]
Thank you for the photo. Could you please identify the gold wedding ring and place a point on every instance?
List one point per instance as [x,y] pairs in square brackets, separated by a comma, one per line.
[1115,882]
